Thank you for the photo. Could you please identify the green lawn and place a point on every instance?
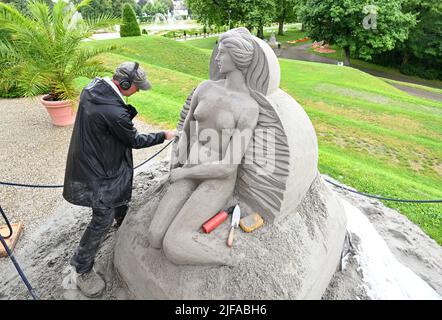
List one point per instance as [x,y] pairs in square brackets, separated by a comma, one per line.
[203,43]
[162,52]
[209,43]
[358,63]
[371,135]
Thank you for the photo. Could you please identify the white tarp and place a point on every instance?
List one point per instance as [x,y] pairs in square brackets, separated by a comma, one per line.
[383,275]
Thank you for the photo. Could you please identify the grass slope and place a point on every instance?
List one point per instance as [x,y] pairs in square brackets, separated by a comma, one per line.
[209,43]
[361,64]
[161,52]
[371,135]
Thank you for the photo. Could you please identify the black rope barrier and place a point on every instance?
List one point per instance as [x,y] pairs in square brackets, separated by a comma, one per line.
[380,197]
[161,150]
[14,184]
[11,256]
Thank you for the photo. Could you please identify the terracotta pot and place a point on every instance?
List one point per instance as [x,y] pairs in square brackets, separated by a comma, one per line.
[61,112]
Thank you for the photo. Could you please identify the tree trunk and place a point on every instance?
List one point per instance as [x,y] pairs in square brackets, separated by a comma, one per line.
[281,23]
[281,28]
[260,32]
[347,56]
[405,59]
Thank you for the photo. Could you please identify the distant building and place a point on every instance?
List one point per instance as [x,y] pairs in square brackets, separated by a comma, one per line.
[180,11]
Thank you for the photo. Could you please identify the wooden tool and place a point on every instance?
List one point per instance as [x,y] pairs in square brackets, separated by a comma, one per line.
[12,241]
[235,223]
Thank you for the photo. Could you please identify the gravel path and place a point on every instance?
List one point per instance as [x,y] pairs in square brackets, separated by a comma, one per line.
[33,151]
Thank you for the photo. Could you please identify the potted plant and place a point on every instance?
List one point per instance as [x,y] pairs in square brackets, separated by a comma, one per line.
[48,54]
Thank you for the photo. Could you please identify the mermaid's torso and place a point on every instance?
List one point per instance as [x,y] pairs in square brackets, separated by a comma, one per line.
[215,118]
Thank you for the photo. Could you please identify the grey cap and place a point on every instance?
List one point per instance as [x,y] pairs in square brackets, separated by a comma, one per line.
[139,77]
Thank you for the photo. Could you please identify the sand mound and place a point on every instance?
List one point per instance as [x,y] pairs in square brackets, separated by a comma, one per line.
[292,259]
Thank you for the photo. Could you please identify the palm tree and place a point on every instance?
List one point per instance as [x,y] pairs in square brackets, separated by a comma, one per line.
[42,52]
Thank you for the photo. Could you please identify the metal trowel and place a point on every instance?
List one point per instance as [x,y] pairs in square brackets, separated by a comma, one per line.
[235,223]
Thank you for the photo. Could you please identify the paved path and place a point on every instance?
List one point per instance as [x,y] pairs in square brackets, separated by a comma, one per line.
[419,92]
[301,53]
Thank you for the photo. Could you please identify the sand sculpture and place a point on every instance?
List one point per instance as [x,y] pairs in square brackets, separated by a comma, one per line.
[242,141]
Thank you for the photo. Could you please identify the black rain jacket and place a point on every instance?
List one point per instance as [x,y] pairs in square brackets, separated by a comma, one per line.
[99,167]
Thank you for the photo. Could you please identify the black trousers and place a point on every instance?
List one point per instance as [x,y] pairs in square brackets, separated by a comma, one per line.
[102,219]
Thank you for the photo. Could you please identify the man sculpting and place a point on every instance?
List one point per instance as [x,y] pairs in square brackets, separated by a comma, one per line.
[99,168]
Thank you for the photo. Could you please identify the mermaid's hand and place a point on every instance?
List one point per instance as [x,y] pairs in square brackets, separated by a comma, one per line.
[177,174]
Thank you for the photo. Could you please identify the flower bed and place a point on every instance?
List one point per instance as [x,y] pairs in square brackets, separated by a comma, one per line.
[299,40]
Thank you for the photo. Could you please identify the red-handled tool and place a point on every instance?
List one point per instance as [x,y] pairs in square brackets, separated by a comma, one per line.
[215,221]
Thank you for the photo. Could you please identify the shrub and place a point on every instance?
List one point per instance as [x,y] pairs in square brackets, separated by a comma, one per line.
[129,26]
[8,61]
[170,34]
[8,76]
[44,53]
[421,70]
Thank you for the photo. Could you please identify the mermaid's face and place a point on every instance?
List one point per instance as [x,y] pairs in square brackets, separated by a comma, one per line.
[224,60]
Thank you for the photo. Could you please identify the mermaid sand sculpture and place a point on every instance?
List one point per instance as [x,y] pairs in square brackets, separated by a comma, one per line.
[226,112]
[243,140]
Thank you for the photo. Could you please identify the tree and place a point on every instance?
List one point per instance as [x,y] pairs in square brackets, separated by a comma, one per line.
[168,4]
[138,10]
[149,10]
[129,26]
[423,48]
[46,49]
[152,8]
[345,23]
[217,12]
[252,13]
[421,53]
[117,6]
[22,5]
[95,8]
[285,11]
[142,3]
[257,14]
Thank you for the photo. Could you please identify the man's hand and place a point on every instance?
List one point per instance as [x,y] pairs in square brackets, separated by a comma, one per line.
[170,134]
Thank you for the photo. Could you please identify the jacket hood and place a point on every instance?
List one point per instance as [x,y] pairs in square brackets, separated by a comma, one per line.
[99,92]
